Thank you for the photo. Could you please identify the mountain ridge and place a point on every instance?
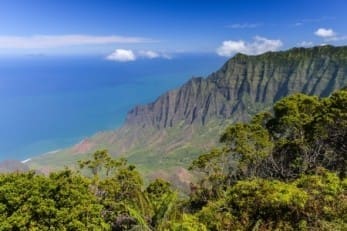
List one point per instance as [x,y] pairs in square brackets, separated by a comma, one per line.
[214,95]
[182,123]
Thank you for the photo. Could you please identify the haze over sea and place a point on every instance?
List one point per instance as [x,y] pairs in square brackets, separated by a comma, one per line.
[49,103]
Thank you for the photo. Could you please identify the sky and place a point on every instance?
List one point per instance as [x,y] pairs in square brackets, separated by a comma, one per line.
[128,30]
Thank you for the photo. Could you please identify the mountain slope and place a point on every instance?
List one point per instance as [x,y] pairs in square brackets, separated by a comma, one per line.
[182,123]
[242,83]
[7,166]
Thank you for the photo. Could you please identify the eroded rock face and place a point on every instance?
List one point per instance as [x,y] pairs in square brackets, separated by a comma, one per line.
[245,85]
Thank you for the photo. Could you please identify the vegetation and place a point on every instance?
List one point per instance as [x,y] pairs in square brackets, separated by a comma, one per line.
[284,170]
[183,123]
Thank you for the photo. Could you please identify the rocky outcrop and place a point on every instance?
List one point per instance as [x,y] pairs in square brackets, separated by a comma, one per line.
[245,85]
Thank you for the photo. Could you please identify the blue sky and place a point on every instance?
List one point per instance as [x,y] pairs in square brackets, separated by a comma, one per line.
[129,30]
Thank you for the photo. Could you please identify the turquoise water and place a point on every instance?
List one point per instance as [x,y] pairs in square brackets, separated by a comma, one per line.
[50,103]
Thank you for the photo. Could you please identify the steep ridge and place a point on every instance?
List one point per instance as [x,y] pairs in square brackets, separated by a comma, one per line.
[182,123]
[243,83]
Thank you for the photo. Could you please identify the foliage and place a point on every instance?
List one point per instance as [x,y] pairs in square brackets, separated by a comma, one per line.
[187,223]
[309,203]
[284,170]
[248,143]
[61,201]
[288,172]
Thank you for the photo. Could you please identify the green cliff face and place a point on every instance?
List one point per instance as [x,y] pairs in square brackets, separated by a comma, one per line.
[183,122]
[244,85]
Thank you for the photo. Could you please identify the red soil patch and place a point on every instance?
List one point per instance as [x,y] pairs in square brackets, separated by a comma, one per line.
[83,146]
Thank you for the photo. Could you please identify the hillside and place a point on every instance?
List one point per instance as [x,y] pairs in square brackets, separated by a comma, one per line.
[174,129]
[285,169]
[12,166]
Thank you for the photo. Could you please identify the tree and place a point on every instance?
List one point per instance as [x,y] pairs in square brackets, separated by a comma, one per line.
[284,170]
[329,134]
[61,201]
[249,144]
[118,186]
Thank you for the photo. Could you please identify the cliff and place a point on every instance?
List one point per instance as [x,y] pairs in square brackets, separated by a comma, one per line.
[244,85]
[184,122]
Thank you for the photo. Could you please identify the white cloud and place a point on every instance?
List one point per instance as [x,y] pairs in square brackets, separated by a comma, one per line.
[54,41]
[325,33]
[153,55]
[122,55]
[149,54]
[330,35]
[244,25]
[230,47]
[257,46]
[305,44]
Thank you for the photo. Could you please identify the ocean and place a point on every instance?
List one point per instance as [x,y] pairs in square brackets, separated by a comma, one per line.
[49,103]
